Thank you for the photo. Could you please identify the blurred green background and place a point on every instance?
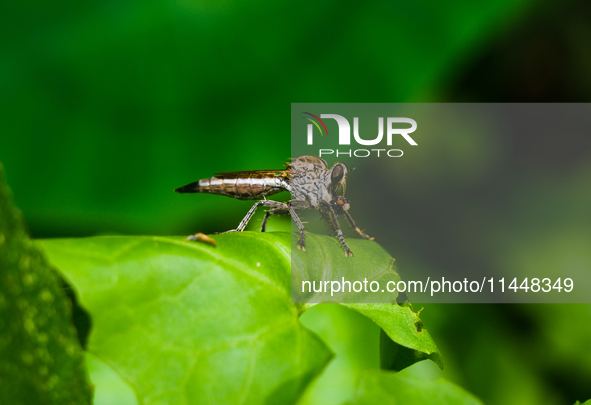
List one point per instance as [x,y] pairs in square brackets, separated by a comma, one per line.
[106,107]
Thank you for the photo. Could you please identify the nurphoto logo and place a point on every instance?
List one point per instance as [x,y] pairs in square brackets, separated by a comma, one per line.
[392,129]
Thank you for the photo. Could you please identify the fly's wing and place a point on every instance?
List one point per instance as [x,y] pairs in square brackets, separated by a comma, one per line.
[244,185]
[246,173]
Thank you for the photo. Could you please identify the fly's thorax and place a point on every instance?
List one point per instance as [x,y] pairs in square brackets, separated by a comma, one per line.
[308,179]
[309,163]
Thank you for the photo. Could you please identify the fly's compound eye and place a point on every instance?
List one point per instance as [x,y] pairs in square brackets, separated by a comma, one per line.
[338,173]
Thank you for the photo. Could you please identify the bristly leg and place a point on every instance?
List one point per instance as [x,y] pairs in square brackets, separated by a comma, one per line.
[290,208]
[294,205]
[276,208]
[275,205]
[331,218]
[354,226]
[341,205]
[250,213]
[275,211]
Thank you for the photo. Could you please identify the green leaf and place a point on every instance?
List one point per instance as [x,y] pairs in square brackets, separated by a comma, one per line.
[403,340]
[387,388]
[110,388]
[187,321]
[41,361]
[324,259]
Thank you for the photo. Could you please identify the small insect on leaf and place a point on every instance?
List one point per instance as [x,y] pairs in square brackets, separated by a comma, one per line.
[201,237]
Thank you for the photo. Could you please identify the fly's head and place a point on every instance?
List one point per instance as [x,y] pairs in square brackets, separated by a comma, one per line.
[338,177]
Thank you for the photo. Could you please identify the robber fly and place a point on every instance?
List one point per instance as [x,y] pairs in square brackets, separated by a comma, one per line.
[309,180]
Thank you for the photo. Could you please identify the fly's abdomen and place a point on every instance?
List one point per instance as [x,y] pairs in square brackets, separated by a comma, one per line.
[244,186]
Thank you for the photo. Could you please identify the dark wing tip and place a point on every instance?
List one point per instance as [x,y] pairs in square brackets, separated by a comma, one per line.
[189,188]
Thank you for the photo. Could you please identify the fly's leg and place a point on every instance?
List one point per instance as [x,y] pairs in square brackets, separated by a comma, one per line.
[275,211]
[294,205]
[354,226]
[290,208]
[331,218]
[249,214]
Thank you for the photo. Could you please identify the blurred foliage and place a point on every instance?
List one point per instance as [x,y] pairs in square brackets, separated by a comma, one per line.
[378,387]
[42,362]
[105,107]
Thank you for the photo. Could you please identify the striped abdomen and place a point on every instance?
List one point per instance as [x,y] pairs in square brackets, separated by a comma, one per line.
[241,185]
